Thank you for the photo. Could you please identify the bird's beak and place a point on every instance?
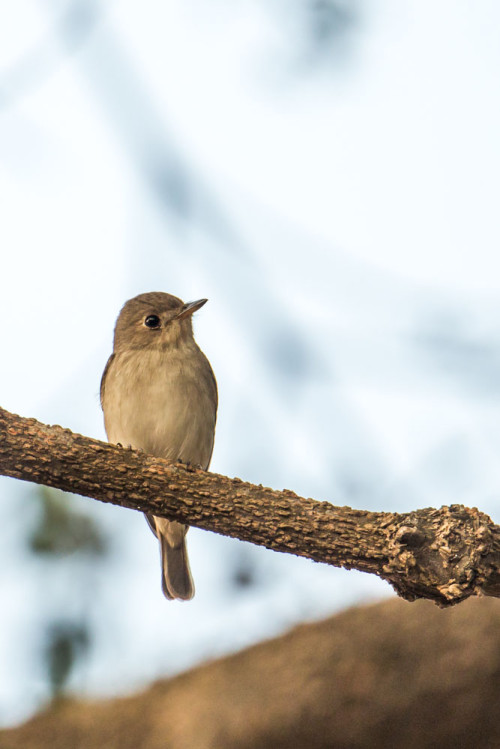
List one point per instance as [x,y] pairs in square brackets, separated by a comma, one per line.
[190,307]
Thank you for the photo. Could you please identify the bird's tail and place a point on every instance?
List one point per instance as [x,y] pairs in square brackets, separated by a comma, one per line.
[177,581]
[176,575]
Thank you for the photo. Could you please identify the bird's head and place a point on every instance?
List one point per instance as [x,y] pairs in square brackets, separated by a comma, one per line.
[154,320]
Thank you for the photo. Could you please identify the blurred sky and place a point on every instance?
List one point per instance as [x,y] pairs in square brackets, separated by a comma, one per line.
[329,179]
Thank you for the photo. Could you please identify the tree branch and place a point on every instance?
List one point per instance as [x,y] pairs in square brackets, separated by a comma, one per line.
[445,555]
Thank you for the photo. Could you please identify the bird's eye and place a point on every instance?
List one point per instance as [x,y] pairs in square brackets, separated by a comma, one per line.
[152,321]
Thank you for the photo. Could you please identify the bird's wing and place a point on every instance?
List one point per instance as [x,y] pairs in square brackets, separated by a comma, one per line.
[103,378]
[151,522]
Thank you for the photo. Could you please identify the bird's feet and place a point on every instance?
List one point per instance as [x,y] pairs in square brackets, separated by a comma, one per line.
[130,447]
[191,467]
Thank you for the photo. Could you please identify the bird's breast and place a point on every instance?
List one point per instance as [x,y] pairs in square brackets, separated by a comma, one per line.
[164,404]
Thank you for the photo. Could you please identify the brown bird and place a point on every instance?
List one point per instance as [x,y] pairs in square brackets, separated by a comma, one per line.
[159,394]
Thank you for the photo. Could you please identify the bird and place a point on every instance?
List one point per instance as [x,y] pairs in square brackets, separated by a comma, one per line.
[159,395]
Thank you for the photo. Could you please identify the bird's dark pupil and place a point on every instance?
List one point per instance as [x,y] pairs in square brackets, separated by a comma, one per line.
[152,321]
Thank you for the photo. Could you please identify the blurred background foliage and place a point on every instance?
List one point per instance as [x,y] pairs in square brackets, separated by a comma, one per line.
[326,173]
[61,530]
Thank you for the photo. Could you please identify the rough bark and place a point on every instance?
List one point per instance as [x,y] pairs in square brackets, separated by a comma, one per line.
[445,554]
[379,677]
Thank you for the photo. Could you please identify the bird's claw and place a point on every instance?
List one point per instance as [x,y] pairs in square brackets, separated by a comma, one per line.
[191,467]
